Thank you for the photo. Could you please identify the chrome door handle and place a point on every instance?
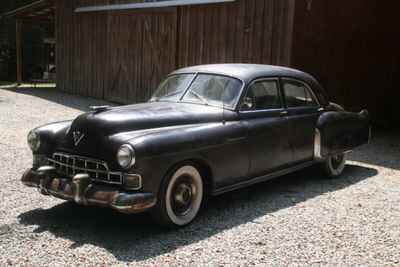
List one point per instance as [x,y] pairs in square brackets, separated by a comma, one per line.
[284,113]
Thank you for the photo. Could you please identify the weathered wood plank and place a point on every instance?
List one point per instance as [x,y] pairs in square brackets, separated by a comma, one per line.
[122,55]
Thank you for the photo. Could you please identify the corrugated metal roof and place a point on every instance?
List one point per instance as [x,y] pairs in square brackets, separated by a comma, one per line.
[158,4]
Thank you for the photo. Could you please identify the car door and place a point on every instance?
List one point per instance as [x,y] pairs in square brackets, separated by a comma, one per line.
[303,112]
[268,129]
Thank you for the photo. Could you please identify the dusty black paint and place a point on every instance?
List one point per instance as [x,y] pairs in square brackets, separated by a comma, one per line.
[238,148]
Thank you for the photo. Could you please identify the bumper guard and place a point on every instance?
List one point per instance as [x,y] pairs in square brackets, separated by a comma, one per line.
[81,190]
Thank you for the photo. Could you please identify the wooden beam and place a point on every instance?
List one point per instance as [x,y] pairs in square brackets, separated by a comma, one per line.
[18,35]
[290,32]
[158,4]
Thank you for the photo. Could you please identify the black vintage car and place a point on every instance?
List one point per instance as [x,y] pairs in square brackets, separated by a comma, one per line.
[207,130]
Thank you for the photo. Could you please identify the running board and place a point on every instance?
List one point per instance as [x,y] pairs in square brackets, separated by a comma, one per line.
[263,178]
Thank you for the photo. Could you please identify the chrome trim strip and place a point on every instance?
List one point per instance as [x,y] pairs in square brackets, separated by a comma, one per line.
[81,157]
[263,178]
[266,79]
[317,145]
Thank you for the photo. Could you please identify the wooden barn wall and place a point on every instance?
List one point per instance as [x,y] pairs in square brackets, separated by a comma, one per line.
[81,51]
[122,56]
[256,31]
[141,52]
[353,49]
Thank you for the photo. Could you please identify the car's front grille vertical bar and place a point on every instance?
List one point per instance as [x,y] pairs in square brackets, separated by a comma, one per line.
[74,166]
[70,165]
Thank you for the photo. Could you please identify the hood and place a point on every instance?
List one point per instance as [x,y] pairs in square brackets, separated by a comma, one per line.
[94,130]
[144,116]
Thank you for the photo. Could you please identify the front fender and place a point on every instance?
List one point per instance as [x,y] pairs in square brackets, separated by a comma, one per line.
[50,135]
[157,150]
[179,139]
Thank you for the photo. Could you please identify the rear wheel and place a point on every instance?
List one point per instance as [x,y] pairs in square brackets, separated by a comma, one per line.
[180,198]
[334,165]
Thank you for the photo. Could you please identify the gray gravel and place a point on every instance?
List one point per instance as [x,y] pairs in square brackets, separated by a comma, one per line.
[299,219]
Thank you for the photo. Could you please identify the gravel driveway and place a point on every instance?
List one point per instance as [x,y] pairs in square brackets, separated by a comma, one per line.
[299,219]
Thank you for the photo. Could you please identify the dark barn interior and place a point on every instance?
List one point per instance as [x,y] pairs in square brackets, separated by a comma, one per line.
[353,48]
[30,41]
[120,50]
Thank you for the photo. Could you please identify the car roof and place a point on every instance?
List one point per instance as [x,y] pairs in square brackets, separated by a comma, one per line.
[250,72]
[243,72]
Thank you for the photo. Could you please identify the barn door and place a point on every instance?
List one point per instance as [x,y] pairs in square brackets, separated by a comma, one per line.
[141,50]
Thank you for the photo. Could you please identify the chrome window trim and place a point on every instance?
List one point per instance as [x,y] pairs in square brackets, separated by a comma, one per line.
[264,110]
[306,86]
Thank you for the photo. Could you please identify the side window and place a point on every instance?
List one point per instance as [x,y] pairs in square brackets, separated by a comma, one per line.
[298,95]
[262,95]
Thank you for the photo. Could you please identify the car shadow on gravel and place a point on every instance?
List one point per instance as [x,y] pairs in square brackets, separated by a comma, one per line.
[132,238]
[384,150]
[53,95]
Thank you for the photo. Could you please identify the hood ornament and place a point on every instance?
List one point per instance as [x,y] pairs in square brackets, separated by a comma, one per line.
[78,136]
[97,109]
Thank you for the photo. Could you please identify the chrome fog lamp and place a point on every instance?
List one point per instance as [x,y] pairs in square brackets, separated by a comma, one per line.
[126,156]
[33,141]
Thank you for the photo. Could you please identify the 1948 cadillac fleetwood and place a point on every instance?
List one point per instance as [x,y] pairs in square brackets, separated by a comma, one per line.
[207,130]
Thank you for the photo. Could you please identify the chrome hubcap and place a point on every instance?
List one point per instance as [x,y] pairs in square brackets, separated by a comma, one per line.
[183,196]
[337,161]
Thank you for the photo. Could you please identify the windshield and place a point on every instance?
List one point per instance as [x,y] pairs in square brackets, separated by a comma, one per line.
[172,88]
[214,90]
[207,89]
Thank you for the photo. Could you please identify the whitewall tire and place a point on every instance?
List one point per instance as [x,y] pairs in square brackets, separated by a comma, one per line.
[180,197]
[334,165]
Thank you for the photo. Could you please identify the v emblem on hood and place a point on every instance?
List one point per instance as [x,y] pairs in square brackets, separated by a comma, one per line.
[78,136]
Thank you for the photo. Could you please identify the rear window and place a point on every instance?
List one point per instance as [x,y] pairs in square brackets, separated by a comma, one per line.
[298,95]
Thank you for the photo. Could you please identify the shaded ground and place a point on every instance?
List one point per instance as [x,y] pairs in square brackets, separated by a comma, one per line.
[299,219]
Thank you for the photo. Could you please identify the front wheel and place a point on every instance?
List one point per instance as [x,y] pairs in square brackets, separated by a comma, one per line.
[334,165]
[180,198]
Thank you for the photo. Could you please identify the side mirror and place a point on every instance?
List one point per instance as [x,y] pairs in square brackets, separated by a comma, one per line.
[247,104]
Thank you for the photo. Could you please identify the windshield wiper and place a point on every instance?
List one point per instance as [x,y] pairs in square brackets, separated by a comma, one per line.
[156,99]
[201,98]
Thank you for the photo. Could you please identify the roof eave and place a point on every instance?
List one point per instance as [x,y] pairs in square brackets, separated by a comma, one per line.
[160,4]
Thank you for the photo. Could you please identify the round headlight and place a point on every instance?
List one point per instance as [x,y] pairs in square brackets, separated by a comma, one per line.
[33,141]
[126,156]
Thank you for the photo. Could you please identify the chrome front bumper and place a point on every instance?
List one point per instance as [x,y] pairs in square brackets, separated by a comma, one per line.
[81,190]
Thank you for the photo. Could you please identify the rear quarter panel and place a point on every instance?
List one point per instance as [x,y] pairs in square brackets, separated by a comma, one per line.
[342,131]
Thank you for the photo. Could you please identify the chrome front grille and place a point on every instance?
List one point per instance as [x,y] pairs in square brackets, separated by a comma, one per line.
[98,170]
